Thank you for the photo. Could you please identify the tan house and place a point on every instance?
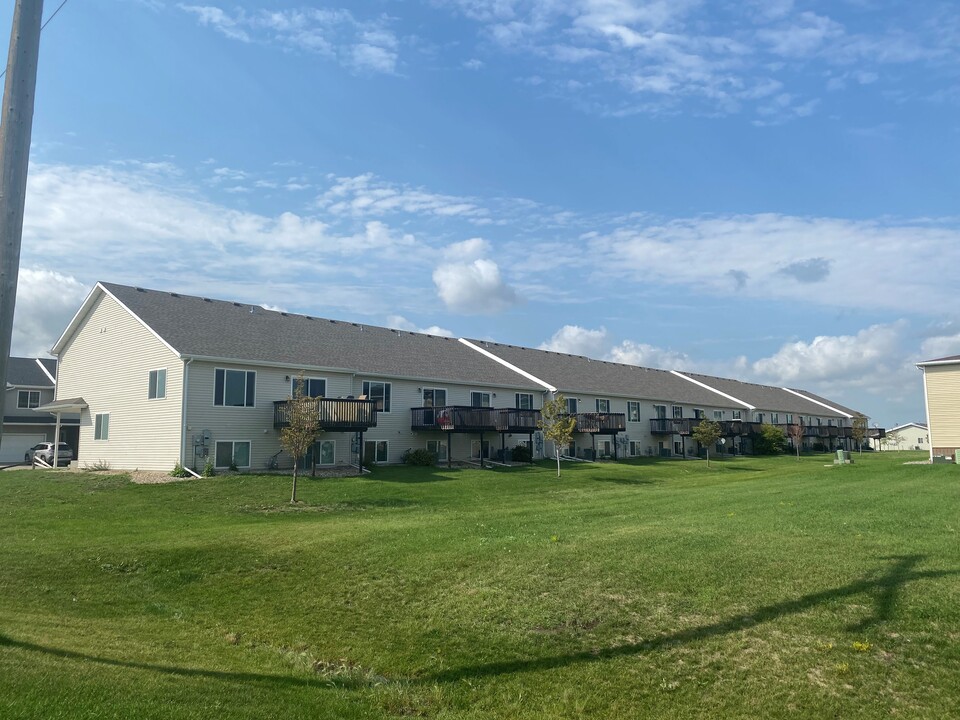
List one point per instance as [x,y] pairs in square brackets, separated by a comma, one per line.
[941,391]
[31,382]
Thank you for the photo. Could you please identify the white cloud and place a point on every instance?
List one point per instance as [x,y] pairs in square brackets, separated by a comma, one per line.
[399,322]
[576,340]
[362,45]
[367,195]
[635,353]
[46,302]
[474,288]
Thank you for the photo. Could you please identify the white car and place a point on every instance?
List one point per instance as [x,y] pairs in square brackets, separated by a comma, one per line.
[44,451]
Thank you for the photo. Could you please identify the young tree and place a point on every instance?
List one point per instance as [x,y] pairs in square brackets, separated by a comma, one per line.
[707,433]
[859,430]
[796,431]
[894,438]
[769,441]
[303,424]
[557,424]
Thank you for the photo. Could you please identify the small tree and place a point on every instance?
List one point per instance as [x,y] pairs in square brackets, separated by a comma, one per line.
[557,424]
[859,430]
[707,433]
[796,431]
[770,440]
[894,438]
[303,424]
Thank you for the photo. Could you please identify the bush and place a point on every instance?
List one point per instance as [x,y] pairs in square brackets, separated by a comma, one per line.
[770,441]
[179,471]
[98,466]
[208,469]
[421,456]
[521,453]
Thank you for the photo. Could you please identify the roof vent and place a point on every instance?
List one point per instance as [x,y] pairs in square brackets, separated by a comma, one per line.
[139,289]
[174,295]
[334,322]
[237,305]
[207,300]
[285,314]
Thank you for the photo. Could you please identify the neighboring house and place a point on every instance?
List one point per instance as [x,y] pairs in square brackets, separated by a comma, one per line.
[941,391]
[31,382]
[161,377]
[911,436]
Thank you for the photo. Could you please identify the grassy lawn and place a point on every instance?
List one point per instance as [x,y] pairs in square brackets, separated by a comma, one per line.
[757,588]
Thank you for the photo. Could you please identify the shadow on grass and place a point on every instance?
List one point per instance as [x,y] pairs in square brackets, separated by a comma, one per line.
[885,587]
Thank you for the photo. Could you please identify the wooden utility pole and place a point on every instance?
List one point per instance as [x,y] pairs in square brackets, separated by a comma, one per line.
[16,124]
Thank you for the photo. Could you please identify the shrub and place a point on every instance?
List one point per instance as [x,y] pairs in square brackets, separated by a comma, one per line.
[208,469]
[421,456]
[771,440]
[98,466]
[179,471]
[521,453]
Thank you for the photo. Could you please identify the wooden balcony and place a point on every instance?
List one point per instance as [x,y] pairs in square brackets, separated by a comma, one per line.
[601,423]
[335,415]
[511,420]
[661,426]
[455,418]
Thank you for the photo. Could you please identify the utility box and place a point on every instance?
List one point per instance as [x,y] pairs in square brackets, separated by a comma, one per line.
[843,458]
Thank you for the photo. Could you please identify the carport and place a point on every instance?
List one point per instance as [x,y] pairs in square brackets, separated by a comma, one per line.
[57,408]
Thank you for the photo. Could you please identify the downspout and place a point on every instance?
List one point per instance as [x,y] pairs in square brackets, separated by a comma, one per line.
[926,403]
[183,413]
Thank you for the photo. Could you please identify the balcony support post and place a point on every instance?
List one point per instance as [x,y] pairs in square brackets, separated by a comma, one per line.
[449,449]
[360,453]
[481,449]
[531,448]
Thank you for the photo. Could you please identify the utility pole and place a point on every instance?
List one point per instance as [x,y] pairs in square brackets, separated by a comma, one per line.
[16,125]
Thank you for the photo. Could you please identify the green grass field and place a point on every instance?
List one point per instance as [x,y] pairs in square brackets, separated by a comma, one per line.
[757,588]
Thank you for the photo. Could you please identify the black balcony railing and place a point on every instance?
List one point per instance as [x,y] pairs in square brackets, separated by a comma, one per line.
[518,421]
[454,418]
[601,423]
[335,415]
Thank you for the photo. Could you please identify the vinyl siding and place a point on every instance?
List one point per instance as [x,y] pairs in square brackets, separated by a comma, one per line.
[943,407]
[107,363]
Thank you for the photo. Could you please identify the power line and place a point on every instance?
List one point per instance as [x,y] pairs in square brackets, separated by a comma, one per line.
[47,22]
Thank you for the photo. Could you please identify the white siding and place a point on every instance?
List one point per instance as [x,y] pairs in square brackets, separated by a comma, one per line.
[107,363]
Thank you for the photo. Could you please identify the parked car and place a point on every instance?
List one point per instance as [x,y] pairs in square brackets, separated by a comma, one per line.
[45,450]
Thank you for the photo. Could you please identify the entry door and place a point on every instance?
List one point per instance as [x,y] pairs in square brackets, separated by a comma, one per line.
[432,398]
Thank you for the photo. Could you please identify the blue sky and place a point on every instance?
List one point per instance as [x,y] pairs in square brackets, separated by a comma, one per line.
[764,190]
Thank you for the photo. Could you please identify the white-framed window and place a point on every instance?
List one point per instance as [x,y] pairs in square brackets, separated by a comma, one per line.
[775,418]
[660,412]
[634,448]
[677,447]
[479,399]
[157,384]
[232,452]
[326,451]
[27,399]
[830,422]
[101,426]
[603,405]
[633,411]
[758,417]
[378,391]
[234,388]
[677,411]
[476,447]
[434,397]
[736,414]
[718,414]
[698,414]
[524,401]
[376,451]
[438,448]
[313,387]
[572,406]
[789,418]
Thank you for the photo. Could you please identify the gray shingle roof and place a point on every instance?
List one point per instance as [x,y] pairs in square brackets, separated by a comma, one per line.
[768,397]
[24,372]
[203,327]
[579,374]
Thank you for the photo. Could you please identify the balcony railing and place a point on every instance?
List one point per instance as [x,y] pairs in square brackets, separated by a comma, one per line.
[335,415]
[601,423]
[518,421]
[455,418]
[661,426]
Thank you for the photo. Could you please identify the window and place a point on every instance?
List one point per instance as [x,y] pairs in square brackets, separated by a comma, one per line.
[677,447]
[736,414]
[327,454]
[634,448]
[28,399]
[312,387]
[101,426]
[377,451]
[775,418]
[524,401]
[698,414]
[231,452]
[718,414]
[572,406]
[434,397]
[789,418]
[678,411]
[830,422]
[378,391]
[438,448]
[479,399]
[660,411]
[234,388]
[633,412]
[603,406]
[920,441]
[758,417]
[157,385]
